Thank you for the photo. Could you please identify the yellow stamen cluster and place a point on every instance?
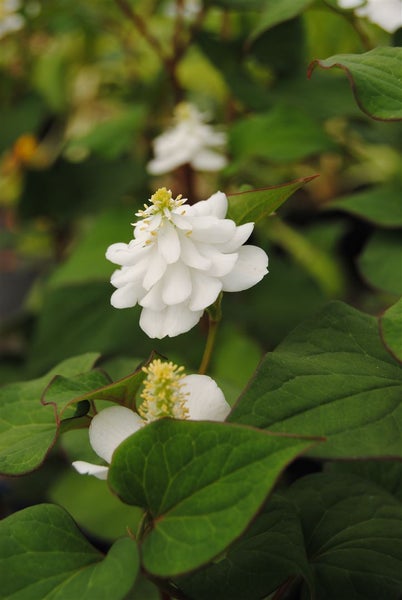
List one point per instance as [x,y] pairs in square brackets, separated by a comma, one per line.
[162,394]
[162,202]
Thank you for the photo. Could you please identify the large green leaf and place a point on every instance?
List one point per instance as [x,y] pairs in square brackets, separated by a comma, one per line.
[330,377]
[391,329]
[277,12]
[353,534]
[375,78]
[268,553]
[201,484]
[380,263]
[43,555]
[380,205]
[257,204]
[28,428]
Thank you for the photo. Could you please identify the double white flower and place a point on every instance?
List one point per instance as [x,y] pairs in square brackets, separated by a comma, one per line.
[191,141]
[179,261]
[385,13]
[167,393]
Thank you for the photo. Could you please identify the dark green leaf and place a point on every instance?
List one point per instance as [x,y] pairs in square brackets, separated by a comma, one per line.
[353,534]
[385,474]
[44,555]
[381,205]
[380,263]
[270,551]
[201,483]
[375,78]
[330,377]
[28,428]
[255,205]
[391,329]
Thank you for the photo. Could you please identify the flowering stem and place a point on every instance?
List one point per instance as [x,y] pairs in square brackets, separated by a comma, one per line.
[214,318]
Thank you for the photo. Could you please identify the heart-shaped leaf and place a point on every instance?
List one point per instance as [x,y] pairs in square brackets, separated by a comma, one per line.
[353,535]
[375,78]
[201,483]
[330,377]
[28,429]
[43,554]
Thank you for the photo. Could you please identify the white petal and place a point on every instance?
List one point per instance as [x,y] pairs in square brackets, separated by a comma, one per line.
[177,284]
[110,427]
[171,321]
[153,299]
[133,274]
[169,243]
[191,256]
[206,400]
[205,291]
[86,468]
[156,269]
[212,230]
[241,235]
[208,160]
[126,254]
[216,206]
[249,269]
[126,296]
[221,264]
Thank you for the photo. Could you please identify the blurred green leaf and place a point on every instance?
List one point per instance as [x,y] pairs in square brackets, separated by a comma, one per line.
[330,377]
[391,329]
[380,263]
[22,118]
[284,134]
[275,12]
[375,78]
[93,506]
[27,427]
[380,205]
[269,552]
[197,512]
[257,204]
[353,535]
[43,554]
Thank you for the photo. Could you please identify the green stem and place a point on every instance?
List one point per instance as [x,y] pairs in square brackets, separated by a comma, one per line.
[214,318]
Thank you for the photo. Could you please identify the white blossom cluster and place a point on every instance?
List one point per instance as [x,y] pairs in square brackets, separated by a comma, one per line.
[10,19]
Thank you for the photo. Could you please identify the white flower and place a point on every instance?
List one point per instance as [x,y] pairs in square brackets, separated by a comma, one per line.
[189,9]
[179,261]
[167,393]
[385,13]
[10,21]
[191,140]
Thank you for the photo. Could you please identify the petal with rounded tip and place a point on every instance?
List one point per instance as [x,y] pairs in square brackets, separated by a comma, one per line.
[153,299]
[126,296]
[208,160]
[250,268]
[180,319]
[212,230]
[205,400]
[154,271]
[86,468]
[110,427]
[241,235]
[169,243]
[205,291]
[177,284]
[216,206]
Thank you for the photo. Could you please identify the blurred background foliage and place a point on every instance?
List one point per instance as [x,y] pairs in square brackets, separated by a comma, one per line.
[83,92]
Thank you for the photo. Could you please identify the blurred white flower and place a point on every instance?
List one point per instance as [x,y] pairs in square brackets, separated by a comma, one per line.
[10,20]
[191,141]
[167,393]
[188,8]
[179,261]
[385,13]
